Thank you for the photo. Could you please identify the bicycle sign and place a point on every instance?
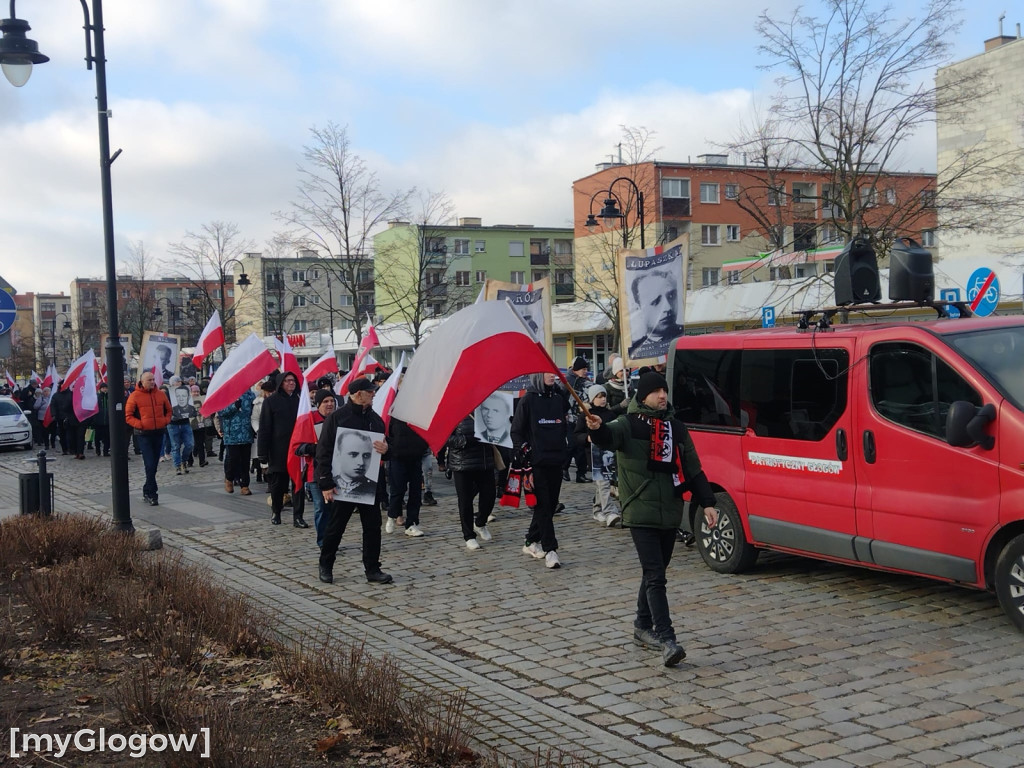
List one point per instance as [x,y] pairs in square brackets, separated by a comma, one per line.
[983,291]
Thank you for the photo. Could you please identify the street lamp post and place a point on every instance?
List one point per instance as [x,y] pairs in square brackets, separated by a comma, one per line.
[171,306]
[17,55]
[243,282]
[53,335]
[613,210]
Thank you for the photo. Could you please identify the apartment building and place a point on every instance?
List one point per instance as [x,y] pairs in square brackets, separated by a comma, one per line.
[450,263]
[53,333]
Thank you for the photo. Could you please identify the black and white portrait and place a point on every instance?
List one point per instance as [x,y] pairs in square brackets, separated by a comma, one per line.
[160,350]
[182,405]
[493,420]
[602,465]
[355,466]
[654,294]
[529,305]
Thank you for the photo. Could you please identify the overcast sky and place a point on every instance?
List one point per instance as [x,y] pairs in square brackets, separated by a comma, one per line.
[500,104]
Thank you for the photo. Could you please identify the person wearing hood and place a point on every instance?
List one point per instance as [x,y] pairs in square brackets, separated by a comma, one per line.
[539,428]
[606,511]
[615,386]
[657,463]
[277,421]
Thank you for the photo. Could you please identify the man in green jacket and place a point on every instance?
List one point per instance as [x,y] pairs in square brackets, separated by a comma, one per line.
[657,463]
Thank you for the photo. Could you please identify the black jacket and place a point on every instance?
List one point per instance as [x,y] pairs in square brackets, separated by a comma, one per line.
[540,422]
[465,452]
[403,443]
[349,416]
[277,420]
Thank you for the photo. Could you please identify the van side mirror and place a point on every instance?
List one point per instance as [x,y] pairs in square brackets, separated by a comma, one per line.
[965,425]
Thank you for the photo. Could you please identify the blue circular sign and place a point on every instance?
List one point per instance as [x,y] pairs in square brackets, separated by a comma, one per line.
[8,311]
[983,292]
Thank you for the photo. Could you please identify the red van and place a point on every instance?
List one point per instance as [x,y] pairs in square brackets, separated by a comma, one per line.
[897,446]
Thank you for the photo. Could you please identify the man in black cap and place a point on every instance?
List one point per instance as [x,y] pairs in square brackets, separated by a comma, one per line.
[579,381]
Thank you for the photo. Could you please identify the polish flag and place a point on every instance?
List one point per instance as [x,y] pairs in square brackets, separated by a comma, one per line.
[85,364]
[211,338]
[369,341]
[302,432]
[247,364]
[52,377]
[84,397]
[10,380]
[370,366]
[326,363]
[464,360]
[385,396]
[289,363]
[35,378]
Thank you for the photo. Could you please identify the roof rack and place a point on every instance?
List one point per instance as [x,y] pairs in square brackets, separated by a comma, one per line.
[827,313]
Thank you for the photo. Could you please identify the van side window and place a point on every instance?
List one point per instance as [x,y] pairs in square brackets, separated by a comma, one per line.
[794,394]
[706,387]
[912,387]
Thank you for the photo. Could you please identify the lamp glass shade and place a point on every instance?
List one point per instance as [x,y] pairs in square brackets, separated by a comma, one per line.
[591,222]
[243,280]
[17,70]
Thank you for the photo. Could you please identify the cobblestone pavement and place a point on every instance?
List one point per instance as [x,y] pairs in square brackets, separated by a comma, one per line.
[795,663]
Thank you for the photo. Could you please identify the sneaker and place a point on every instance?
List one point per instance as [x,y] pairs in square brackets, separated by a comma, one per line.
[584,479]
[298,522]
[672,653]
[560,507]
[646,638]
[153,502]
[483,533]
[379,577]
[490,519]
[551,560]
[601,517]
[472,544]
[275,520]
[413,530]
[613,520]
[389,526]
[533,549]
[177,471]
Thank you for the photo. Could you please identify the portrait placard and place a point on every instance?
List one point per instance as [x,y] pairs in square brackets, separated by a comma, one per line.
[652,297]
[160,350]
[492,420]
[355,466]
[532,302]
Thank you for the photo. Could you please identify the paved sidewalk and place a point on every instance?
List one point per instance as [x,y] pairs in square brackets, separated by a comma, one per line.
[797,663]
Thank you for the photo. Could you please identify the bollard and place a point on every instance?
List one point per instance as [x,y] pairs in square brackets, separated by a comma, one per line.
[44,486]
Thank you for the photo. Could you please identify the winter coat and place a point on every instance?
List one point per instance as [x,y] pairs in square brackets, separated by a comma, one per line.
[649,499]
[403,443]
[277,421]
[540,422]
[349,416]
[148,411]
[616,396]
[465,452]
[235,423]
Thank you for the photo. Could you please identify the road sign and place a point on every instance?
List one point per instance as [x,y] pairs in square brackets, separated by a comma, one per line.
[950,294]
[8,311]
[767,317]
[983,291]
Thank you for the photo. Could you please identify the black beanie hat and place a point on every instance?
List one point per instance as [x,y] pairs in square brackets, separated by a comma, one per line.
[321,395]
[650,382]
[580,362]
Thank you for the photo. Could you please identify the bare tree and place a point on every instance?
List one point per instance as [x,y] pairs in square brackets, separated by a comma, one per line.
[412,275]
[137,314]
[339,206]
[207,257]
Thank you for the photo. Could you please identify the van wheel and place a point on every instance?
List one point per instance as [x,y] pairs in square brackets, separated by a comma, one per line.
[724,548]
[1010,580]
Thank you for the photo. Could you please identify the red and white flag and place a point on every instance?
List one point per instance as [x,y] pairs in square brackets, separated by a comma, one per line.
[326,363]
[52,378]
[370,366]
[84,396]
[158,376]
[464,360]
[369,341]
[10,380]
[247,364]
[211,338]
[35,378]
[289,363]
[385,396]
[85,364]
[302,432]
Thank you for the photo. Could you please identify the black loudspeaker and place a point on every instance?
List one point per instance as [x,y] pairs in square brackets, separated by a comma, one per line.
[856,280]
[911,277]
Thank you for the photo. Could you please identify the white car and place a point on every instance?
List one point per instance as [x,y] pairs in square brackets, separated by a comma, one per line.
[15,429]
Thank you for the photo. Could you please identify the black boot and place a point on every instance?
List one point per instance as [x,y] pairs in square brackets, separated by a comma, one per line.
[565,476]
[298,522]
[276,519]
[326,576]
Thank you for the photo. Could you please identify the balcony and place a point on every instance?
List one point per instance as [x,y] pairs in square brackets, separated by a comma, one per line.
[675,207]
[564,289]
[540,259]
[804,211]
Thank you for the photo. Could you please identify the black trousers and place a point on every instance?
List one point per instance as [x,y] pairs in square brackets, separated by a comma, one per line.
[236,463]
[277,484]
[338,514]
[654,547]
[547,484]
[578,452]
[467,486]
[102,440]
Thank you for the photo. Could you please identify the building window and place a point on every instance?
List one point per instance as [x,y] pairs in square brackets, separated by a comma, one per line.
[563,277]
[689,277]
[734,277]
[778,273]
[298,301]
[461,247]
[890,196]
[365,276]
[433,277]
[515,248]
[436,245]
[928,238]
[314,299]
[671,233]
[125,293]
[273,279]
[829,233]
[868,197]
[365,300]
[732,191]
[709,276]
[462,278]
[298,275]
[708,192]
[776,195]
[563,247]
[481,275]
[538,275]
[927,198]
[518,277]
[345,301]
[299,326]
[709,234]
[65,307]
[732,232]
[830,267]
[480,246]
[675,188]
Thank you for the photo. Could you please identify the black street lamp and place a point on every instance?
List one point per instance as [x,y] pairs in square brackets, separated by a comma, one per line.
[17,55]
[613,210]
[53,335]
[243,282]
[158,312]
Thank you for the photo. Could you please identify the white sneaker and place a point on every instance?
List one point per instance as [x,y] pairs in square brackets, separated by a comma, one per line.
[551,560]
[472,544]
[389,526]
[613,520]
[413,530]
[601,517]
[490,519]
[533,550]
[483,533]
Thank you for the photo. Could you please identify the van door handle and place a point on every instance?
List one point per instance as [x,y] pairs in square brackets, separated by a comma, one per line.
[869,446]
[841,447]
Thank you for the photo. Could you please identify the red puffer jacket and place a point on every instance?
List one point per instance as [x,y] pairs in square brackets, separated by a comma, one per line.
[148,410]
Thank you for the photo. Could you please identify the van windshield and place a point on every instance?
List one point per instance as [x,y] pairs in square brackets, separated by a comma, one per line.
[998,354]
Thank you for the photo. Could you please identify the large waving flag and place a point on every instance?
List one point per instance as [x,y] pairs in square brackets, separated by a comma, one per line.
[385,396]
[85,364]
[52,378]
[36,379]
[211,338]
[302,432]
[464,360]
[289,363]
[249,362]
[84,397]
[369,341]
[326,363]
[10,380]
